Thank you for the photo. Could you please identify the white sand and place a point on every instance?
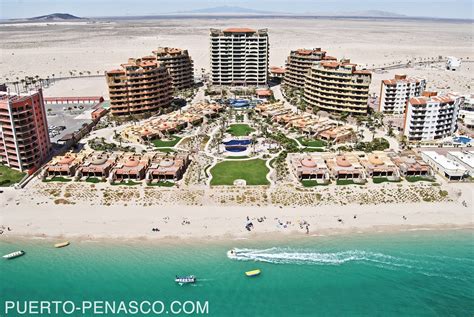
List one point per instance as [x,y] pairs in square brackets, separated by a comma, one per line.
[31,215]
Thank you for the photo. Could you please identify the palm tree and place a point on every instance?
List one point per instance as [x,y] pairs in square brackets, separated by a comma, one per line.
[254,142]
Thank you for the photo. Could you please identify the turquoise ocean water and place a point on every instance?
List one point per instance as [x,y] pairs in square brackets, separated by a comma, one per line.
[415,273]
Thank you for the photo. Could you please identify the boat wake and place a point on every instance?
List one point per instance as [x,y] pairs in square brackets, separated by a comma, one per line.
[310,257]
[292,256]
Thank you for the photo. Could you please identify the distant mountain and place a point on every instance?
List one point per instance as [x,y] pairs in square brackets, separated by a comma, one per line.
[231,10]
[56,17]
[371,13]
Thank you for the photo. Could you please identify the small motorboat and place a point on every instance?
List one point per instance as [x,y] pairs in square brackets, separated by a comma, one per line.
[13,255]
[189,279]
[253,273]
[61,244]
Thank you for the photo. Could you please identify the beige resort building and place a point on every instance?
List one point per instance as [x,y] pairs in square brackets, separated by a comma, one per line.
[338,87]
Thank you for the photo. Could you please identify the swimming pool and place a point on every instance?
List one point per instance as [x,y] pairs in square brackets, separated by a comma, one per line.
[239,103]
[462,139]
[236,148]
[237,142]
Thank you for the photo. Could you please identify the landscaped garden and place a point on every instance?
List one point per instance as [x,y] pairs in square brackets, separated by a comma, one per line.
[312,183]
[162,184]
[9,176]
[380,180]
[254,172]
[346,182]
[172,141]
[95,180]
[57,179]
[240,129]
[413,179]
[166,150]
[311,142]
[377,144]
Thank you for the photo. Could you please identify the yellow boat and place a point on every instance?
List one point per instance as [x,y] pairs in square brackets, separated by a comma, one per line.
[253,273]
[62,244]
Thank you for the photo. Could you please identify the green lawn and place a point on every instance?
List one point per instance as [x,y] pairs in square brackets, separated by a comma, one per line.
[313,149]
[58,179]
[162,184]
[311,142]
[166,150]
[94,180]
[311,183]
[9,176]
[166,143]
[413,179]
[346,182]
[240,129]
[253,171]
[272,161]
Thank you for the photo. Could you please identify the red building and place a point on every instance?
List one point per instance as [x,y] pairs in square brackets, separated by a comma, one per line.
[24,138]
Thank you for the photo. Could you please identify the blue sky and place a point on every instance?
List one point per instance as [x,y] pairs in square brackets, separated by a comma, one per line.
[90,8]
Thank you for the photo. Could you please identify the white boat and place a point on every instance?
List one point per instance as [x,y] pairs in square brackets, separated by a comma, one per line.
[185,279]
[14,254]
[61,244]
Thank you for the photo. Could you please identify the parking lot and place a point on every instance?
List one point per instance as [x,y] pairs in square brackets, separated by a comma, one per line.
[64,119]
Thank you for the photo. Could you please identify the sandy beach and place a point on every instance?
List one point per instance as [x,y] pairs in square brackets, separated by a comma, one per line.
[31,215]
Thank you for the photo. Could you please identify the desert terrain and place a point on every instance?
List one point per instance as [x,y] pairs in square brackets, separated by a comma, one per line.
[93,47]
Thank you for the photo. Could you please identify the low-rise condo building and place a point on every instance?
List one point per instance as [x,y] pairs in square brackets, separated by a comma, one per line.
[450,169]
[277,72]
[307,123]
[24,138]
[338,86]
[345,167]
[378,164]
[465,158]
[164,167]
[339,134]
[310,166]
[395,93]
[130,166]
[64,165]
[299,63]
[179,64]
[166,124]
[97,164]
[431,117]
[269,110]
[239,56]
[140,86]
[410,164]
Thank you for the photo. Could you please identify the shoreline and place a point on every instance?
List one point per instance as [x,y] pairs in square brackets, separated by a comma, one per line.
[185,223]
[225,239]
